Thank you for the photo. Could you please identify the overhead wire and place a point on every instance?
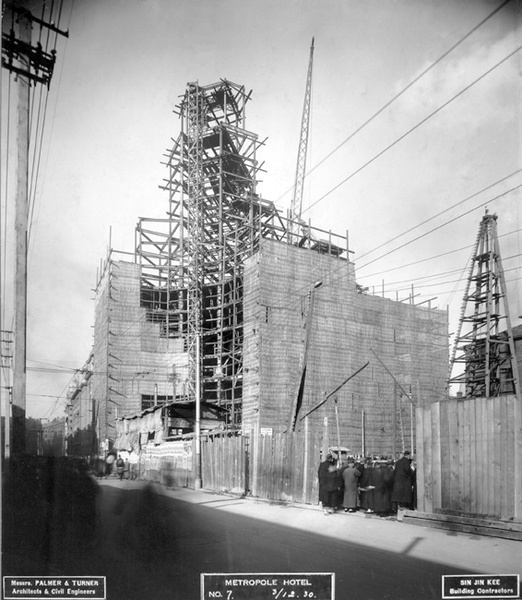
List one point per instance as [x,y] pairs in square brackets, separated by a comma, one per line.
[39,146]
[498,8]
[402,137]
[461,92]
[342,272]
[439,284]
[416,262]
[481,205]
[404,90]
[415,127]
[390,285]
[442,212]
[51,410]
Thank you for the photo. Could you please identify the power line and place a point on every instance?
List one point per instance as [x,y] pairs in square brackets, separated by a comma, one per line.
[405,89]
[442,225]
[332,277]
[32,197]
[441,283]
[336,275]
[440,213]
[403,266]
[433,275]
[404,135]
[436,283]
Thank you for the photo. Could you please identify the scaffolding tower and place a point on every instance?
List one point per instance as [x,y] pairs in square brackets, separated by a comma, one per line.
[192,261]
[484,342]
[192,269]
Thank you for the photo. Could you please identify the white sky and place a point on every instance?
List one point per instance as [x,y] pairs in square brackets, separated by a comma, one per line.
[110,118]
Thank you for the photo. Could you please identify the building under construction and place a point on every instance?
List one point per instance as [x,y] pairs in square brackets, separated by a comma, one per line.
[231,303]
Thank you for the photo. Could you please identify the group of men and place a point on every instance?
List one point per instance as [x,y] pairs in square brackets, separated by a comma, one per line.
[377,486]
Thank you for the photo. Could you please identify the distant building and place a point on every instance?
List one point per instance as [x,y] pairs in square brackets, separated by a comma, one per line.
[53,437]
[44,437]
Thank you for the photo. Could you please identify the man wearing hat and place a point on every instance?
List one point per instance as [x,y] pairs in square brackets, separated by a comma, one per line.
[402,494]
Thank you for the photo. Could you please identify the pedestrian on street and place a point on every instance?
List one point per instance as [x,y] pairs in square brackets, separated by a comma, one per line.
[109,461]
[330,484]
[351,478]
[120,467]
[402,494]
[367,487]
[133,465]
[99,467]
[383,482]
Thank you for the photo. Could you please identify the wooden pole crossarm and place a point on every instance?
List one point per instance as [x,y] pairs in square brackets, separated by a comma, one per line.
[27,14]
[336,390]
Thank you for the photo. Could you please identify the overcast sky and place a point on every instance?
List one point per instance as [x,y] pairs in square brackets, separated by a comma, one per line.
[110,118]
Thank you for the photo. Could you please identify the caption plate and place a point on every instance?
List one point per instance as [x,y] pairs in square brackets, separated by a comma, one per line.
[265,586]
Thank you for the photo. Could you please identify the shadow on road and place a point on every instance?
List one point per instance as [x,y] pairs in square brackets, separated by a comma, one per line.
[59,521]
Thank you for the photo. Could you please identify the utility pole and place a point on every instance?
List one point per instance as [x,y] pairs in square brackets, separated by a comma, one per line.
[6,371]
[21,224]
[31,65]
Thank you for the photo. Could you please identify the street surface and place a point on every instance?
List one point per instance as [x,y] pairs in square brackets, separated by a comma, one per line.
[153,543]
[163,548]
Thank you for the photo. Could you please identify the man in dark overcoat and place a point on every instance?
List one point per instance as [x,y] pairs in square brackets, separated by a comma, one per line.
[382,503]
[402,494]
[330,484]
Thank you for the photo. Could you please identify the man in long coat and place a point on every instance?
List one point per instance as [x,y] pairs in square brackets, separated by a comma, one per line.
[330,482]
[402,494]
[351,481]
[383,482]
[366,487]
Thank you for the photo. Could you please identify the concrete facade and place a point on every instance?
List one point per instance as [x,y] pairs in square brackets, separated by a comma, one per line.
[343,329]
[132,364]
[346,329]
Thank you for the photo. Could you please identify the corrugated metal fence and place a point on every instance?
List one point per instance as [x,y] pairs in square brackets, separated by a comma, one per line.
[469,457]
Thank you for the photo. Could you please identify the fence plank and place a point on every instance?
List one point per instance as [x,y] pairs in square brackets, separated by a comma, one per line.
[445,455]
[435,445]
[504,473]
[490,498]
[461,487]
[517,455]
[472,457]
[421,458]
[479,457]
[454,455]
[485,459]
[428,470]
[510,462]
[465,442]
[495,457]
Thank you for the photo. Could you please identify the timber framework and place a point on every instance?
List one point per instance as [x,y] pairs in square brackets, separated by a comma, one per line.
[192,262]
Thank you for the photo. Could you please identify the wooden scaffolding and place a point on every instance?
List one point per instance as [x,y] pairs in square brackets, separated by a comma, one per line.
[484,342]
[192,261]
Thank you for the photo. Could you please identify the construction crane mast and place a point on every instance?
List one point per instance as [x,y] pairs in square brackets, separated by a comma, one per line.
[297,200]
